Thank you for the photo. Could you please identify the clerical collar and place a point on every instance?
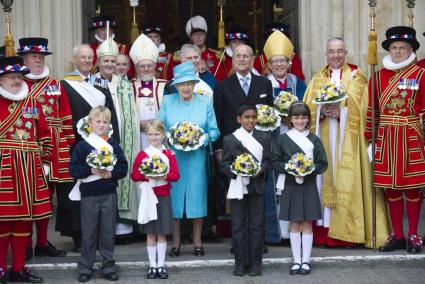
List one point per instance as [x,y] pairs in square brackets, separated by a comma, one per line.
[390,65]
[146,84]
[44,74]
[22,94]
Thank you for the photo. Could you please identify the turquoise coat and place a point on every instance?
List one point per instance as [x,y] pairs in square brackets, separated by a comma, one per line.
[189,194]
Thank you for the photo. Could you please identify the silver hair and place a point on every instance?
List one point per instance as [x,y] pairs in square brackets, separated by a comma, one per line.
[335,38]
[188,46]
[77,47]
[251,51]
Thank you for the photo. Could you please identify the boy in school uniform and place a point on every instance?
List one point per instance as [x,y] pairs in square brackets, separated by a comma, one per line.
[247,210]
[98,189]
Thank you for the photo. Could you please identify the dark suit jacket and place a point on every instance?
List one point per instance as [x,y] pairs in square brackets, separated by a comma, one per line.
[232,147]
[229,95]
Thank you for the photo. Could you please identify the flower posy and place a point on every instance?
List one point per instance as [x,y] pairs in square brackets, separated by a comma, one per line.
[153,166]
[299,165]
[186,136]
[330,93]
[283,101]
[101,159]
[267,119]
[245,165]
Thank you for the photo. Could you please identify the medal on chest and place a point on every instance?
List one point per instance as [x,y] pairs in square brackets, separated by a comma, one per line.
[408,84]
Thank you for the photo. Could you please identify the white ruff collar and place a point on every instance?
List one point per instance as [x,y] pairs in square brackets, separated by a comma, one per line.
[161,47]
[101,40]
[390,65]
[44,74]
[22,94]
[229,51]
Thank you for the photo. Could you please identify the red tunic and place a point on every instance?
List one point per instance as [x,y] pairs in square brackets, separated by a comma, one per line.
[57,111]
[260,64]
[228,66]
[24,193]
[421,63]
[163,66]
[122,48]
[173,174]
[400,155]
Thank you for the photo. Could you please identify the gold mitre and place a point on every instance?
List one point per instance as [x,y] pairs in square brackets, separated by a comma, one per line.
[143,48]
[108,47]
[278,44]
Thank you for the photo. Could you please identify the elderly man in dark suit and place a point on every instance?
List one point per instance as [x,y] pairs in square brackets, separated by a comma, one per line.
[243,87]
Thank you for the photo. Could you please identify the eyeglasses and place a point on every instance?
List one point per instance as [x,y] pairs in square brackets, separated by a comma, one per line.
[279,61]
[336,52]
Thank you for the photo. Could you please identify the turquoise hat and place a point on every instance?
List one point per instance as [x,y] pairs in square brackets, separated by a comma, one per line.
[184,72]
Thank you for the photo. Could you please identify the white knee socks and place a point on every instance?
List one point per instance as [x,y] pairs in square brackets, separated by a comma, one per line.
[307,240]
[162,249]
[152,256]
[296,246]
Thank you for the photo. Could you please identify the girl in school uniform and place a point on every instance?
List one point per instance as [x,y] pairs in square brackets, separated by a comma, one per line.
[156,228]
[300,201]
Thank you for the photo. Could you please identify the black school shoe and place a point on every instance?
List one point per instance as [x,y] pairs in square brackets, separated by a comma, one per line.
[26,275]
[305,268]
[49,250]
[84,277]
[152,273]
[111,276]
[393,244]
[239,270]
[161,273]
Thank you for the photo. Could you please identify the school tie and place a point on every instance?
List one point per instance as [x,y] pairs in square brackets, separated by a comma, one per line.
[245,85]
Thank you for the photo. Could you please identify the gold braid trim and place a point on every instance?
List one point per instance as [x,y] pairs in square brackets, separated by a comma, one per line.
[5,234]
[21,234]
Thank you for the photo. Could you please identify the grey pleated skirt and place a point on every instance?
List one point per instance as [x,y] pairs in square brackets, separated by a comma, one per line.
[300,202]
[164,225]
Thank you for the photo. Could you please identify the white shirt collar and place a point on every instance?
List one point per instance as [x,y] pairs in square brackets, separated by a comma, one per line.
[240,76]
[44,74]
[250,133]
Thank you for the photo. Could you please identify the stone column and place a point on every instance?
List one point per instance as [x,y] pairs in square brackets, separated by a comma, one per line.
[320,20]
[60,21]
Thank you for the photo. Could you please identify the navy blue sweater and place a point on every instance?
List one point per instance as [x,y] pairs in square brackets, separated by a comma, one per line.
[80,169]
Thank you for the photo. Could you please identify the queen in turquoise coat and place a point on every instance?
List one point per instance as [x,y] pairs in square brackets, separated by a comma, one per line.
[189,194]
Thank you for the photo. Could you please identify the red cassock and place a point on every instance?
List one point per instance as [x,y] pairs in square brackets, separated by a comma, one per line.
[24,134]
[122,48]
[211,58]
[55,107]
[260,64]
[399,105]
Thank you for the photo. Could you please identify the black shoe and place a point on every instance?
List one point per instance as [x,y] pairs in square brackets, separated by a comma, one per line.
[232,250]
[255,271]
[239,270]
[84,277]
[28,254]
[162,273]
[265,249]
[25,275]
[2,276]
[152,273]
[198,251]
[393,244]
[49,250]
[124,239]
[212,238]
[414,244]
[303,270]
[295,269]
[175,251]
[111,276]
